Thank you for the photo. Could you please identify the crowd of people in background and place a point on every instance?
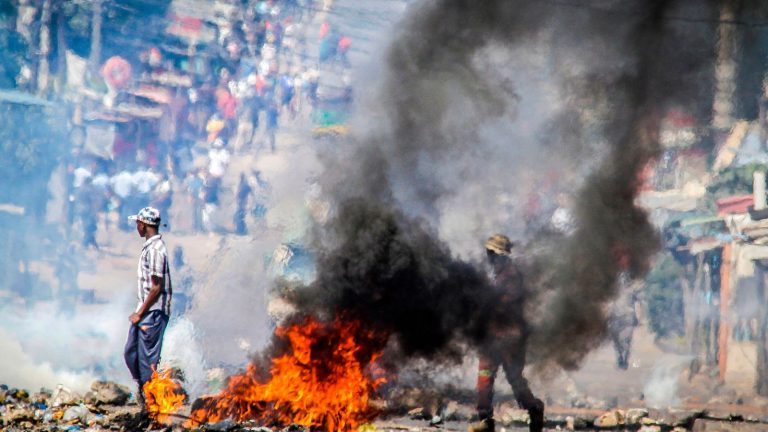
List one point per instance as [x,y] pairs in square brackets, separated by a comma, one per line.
[257,75]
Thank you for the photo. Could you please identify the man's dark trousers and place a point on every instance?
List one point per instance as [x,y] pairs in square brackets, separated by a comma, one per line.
[142,349]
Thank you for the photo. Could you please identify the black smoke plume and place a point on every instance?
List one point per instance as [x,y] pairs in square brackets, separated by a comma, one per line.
[658,73]
[619,66]
[394,275]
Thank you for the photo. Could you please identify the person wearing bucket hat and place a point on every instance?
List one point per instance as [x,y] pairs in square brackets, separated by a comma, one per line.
[499,244]
[506,344]
[149,319]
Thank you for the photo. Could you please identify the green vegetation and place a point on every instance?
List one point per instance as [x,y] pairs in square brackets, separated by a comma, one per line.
[13,48]
[733,181]
[32,141]
[664,297]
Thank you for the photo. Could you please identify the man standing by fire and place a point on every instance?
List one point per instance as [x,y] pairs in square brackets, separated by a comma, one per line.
[148,321]
[506,343]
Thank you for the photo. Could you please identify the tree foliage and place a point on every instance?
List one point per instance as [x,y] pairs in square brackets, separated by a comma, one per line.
[32,141]
[14,51]
[127,25]
[734,180]
[664,297]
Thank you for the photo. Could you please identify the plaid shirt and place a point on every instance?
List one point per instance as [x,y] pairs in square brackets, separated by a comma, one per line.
[153,261]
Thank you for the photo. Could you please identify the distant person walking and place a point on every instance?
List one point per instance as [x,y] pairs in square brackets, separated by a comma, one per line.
[148,321]
[87,209]
[244,190]
[342,50]
[622,318]
[273,112]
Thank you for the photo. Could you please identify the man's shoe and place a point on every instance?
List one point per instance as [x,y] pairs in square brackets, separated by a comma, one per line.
[484,425]
[140,398]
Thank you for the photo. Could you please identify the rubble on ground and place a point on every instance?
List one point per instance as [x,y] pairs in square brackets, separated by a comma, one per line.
[107,393]
[635,415]
[111,406]
[508,414]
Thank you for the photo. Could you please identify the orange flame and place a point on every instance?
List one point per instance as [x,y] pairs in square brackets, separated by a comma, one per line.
[164,396]
[320,384]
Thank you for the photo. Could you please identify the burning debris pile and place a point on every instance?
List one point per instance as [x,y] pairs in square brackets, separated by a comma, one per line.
[163,396]
[321,382]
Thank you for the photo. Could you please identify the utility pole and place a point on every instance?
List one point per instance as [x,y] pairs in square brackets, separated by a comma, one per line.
[761,384]
[45,48]
[61,48]
[762,112]
[95,58]
[726,66]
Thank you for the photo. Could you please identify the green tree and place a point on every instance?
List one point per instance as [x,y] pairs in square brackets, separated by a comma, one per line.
[14,51]
[32,141]
[664,297]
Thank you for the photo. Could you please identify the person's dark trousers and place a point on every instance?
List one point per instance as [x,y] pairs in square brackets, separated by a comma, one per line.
[142,349]
[89,231]
[240,226]
[622,343]
[508,353]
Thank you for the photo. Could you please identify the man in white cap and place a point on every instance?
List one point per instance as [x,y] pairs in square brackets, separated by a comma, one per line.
[148,321]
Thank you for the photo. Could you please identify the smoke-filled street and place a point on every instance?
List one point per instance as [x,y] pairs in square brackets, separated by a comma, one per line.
[383,215]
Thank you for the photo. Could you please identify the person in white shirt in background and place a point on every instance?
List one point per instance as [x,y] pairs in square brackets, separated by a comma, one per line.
[218,159]
[122,187]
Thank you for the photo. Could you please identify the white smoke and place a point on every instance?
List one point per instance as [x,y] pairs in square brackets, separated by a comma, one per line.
[181,349]
[231,297]
[41,347]
[289,174]
[19,369]
[488,187]
[230,301]
[486,178]
[661,390]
